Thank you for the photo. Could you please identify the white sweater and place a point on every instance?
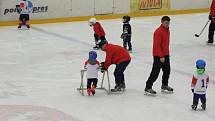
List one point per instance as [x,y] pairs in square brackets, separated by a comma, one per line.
[25,9]
[200,83]
[92,70]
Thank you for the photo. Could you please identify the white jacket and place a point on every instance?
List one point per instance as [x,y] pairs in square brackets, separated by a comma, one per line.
[92,69]
[200,83]
[25,8]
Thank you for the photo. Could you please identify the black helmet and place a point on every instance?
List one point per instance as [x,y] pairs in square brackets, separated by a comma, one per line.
[126,19]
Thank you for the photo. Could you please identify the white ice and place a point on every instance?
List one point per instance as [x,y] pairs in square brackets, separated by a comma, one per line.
[40,71]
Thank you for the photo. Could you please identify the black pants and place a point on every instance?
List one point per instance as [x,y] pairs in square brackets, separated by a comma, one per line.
[127,41]
[90,81]
[157,65]
[97,38]
[196,98]
[119,72]
[24,17]
[211,32]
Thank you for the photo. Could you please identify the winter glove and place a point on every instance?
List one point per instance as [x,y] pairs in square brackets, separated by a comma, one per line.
[122,36]
[18,9]
[103,69]
[17,6]
[102,64]
[210,17]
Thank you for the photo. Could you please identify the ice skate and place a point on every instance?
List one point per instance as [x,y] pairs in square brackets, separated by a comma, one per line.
[150,92]
[194,107]
[166,89]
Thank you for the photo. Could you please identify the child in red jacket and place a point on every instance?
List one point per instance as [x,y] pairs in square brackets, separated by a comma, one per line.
[99,33]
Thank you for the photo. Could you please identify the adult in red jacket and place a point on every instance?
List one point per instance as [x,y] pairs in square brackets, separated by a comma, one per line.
[120,57]
[99,33]
[161,57]
[212,24]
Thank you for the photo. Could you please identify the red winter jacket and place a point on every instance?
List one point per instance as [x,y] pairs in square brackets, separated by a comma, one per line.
[115,54]
[212,9]
[99,31]
[161,42]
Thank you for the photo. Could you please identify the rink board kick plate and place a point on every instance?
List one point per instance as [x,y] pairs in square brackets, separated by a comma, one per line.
[82,88]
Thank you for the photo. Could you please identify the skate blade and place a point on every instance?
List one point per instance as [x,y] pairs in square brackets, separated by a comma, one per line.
[95,48]
[118,92]
[198,109]
[194,109]
[93,94]
[166,91]
[149,94]
[23,29]
[209,44]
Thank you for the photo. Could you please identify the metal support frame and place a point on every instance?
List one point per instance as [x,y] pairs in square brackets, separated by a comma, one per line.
[82,88]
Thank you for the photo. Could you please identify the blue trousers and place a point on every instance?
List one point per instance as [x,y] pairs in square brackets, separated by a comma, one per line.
[196,98]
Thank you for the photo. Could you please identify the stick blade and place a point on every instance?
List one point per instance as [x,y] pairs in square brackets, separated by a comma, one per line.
[196,35]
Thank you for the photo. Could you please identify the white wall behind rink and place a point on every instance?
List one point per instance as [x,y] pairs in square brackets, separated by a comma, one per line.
[189,4]
[45,9]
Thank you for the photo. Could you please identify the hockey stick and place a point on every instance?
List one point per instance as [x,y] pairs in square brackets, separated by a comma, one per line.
[197,35]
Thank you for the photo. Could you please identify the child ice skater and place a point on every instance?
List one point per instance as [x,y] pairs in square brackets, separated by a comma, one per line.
[99,33]
[199,85]
[24,8]
[92,66]
[126,35]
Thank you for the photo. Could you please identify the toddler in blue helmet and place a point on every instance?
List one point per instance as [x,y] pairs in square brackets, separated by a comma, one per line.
[92,68]
[199,84]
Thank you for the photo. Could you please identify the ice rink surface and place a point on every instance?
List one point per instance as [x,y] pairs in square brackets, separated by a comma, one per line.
[40,71]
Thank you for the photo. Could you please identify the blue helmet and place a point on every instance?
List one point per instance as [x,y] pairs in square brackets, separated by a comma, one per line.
[200,63]
[92,55]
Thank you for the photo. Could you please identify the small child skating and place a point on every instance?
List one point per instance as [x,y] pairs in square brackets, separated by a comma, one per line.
[126,35]
[199,85]
[24,8]
[92,66]
[99,33]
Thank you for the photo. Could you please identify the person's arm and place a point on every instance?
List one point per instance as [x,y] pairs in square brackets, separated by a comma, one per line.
[212,10]
[107,60]
[129,29]
[157,44]
[124,32]
[207,82]
[85,64]
[18,8]
[30,5]
[98,30]
[193,84]
[97,64]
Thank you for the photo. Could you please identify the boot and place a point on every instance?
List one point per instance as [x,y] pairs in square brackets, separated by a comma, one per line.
[203,106]
[150,92]
[116,89]
[165,88]
[194,106]
[88,91]
[93,90]
[19,27]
